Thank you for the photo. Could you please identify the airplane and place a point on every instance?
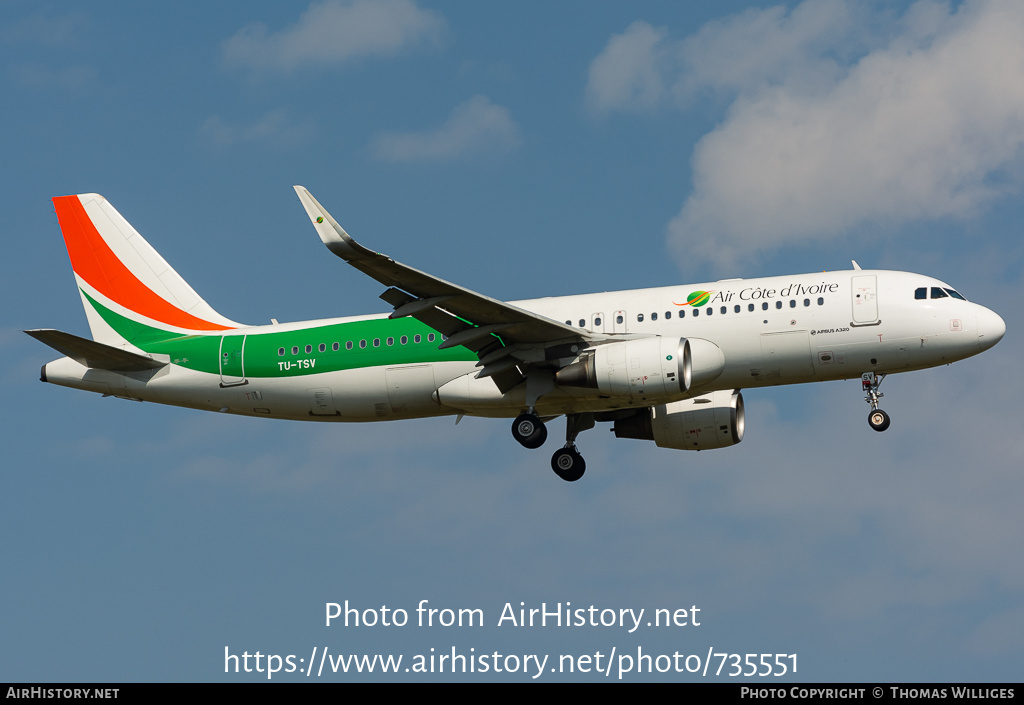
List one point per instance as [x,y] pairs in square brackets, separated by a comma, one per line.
[664,364]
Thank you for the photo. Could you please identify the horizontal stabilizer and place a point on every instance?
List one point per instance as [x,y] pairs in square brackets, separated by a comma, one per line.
[92,354]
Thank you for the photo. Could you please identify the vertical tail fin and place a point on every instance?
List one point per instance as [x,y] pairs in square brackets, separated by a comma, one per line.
[123,280]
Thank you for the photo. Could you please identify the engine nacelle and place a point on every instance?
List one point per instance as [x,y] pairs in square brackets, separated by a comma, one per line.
[645,368]
[715,420]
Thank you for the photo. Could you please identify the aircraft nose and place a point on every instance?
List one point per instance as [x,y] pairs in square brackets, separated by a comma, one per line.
[991,328]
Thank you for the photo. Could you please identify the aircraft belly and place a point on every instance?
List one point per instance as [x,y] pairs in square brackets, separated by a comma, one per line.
[480,397]
[851,359]
[410,388]
[365,394]
[383,393]
[785,358]
[321,402]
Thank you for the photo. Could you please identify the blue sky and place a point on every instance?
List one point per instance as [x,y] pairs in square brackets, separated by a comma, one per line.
[522,150]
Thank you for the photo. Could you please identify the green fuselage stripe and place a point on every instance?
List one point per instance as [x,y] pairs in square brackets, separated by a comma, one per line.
[262,356]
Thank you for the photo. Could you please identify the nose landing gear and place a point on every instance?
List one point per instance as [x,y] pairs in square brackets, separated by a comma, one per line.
[870,382]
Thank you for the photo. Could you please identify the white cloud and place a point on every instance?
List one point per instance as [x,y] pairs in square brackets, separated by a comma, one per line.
[333,32]
[46,30]
[68,79]
[928,122]
[477,126]
[275,128]
[642,69]
[628,73]
[755,48]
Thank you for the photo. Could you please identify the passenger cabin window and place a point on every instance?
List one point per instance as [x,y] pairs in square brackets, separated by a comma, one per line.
[639,318]
[654,316]
[619,320]
[668,314]
[597,322]
[583,323]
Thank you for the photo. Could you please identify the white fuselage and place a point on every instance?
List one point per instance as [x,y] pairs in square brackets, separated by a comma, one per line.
[770,331]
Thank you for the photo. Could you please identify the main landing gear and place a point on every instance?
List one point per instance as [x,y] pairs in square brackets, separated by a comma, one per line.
[529,430]
[567,462]
[870,382]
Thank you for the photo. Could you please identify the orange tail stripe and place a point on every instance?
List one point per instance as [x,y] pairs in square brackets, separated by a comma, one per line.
[94,261]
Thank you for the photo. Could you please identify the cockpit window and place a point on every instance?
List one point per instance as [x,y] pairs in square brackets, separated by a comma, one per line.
[937,292]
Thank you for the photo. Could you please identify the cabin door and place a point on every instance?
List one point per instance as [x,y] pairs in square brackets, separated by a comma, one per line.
[232,367]
[865,299]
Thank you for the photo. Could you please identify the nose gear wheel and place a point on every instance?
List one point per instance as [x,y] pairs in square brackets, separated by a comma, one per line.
[878,420]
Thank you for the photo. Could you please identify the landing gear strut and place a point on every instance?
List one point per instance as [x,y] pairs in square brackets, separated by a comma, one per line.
[567,462]
[870,382]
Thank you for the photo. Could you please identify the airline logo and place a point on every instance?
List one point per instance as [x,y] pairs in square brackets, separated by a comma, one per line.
[697,298]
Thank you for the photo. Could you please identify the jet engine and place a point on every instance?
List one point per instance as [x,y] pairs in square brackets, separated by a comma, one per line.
[645,368]
[714,420]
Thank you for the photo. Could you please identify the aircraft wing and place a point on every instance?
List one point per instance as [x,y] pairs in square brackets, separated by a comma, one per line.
[506,338]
